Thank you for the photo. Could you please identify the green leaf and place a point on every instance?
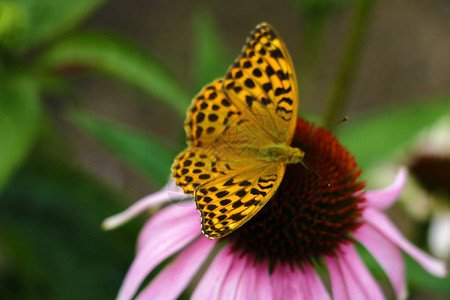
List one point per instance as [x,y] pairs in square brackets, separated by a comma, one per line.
[20,112]
[49,18]
[372,138]
[52,243]
[147,153]
[13,23]
[210,59]
[420,279]
[119,59]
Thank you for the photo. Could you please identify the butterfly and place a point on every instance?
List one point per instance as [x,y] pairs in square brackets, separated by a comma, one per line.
[239,129]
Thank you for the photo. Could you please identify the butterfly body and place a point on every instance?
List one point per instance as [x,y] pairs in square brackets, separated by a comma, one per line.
[281,153]
[239,129]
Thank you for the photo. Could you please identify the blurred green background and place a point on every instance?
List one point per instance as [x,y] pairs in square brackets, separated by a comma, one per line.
[93,96]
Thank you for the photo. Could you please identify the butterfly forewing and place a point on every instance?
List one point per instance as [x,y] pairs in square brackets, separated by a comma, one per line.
[229,201]
[221,139]
[228,125]
[262,84]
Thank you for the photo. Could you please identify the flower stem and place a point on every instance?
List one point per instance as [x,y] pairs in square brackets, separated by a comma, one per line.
[338,94]
[314,23]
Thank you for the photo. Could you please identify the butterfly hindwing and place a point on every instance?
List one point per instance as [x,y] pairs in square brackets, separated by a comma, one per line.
[195,166]
[262,84]
[227,202]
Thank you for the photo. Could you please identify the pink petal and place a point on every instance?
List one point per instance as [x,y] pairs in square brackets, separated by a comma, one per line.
[211,282]
[279,285]
[247,284]
[277,279]
[263,281]
[233,278]
[174,278]
[291,293]
[354,268]
[381,223]
[338,286]
[314,284]
[383,198]
[160,246]
[168,193]
[168,218]
[388,256]
[354,289]
[297,284]
[286,283]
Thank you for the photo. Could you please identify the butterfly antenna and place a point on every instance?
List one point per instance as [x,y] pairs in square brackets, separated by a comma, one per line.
[340,122]
[307,166]
[330,129]
[311,169]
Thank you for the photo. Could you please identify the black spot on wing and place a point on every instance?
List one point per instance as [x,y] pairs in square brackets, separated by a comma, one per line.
[225,202]
[225,102]
[249,100]
[200,117]
[287,100]
[269,71]
[281,91]
[237,217]
[222,194]
[265,101]
[241,193]
[249,83]
[212,96]
[245,183]
[257,192]
[257,72]
[267,87]
[276,53]
[237,204]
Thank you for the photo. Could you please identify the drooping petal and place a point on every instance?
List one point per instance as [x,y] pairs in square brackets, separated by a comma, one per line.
[315,286]
[168,193]
[383,198]
[381,223]
[388,256]
[175,277]
[338,285]
[169,217]
[354,268]
[264,288]
[160,246]
[233,278]
[211,283]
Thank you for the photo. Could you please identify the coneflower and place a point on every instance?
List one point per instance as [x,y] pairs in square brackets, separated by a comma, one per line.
[306,225]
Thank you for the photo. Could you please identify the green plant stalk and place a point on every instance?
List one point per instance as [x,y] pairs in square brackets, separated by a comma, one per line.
[314,24]
[338,93]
